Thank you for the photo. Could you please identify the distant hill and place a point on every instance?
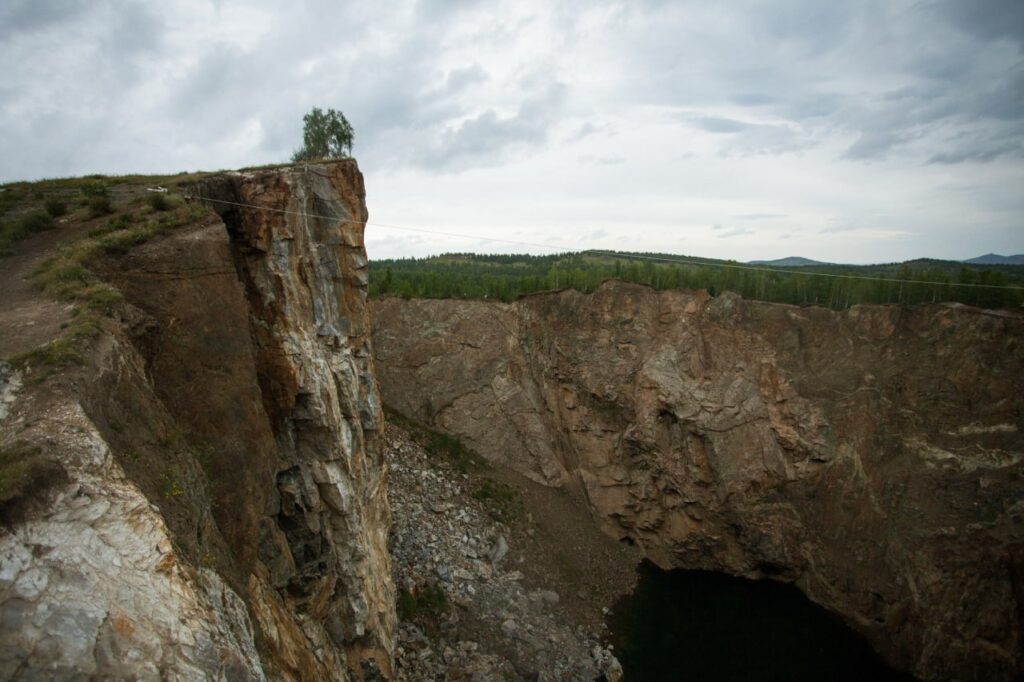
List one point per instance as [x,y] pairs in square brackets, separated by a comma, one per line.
[790,262]
[996,259]
[801,281]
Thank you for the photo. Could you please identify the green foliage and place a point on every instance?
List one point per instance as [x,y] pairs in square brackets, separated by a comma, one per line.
[325,135]
[158,202]
[501,500]
[427,603]
[66,350]
[461,457]
[18,465]
[56,207]
[437,444]
[94,187]
[117,223]
[24,471]
[169,487]
[24,227]
[505,277]
[99,206]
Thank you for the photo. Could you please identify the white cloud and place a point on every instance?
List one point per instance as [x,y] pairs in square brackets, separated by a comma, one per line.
[876,131]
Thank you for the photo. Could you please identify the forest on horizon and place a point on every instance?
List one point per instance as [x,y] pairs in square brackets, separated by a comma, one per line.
[507,276]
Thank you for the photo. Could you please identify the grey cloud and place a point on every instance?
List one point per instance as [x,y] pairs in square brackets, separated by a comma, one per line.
[980,152]
[715,124]
[750,138]
[485,138]
[760,216]
[18,17]
[874,145]
[753,99]
[458,79]
[735,232]
[821,77]
[986,19]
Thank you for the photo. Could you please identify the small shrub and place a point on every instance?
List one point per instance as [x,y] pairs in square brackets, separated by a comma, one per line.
[119,222]
[94,189]
[422,604]
[159,202]
[169,487]
[123,240]
[58,353]
[63,278]
[464,459]
[23,471]
[61,352]
[500,499]
[56,207]
[99,206]
[17,462]
[36,221]
[27,225]
[100,297]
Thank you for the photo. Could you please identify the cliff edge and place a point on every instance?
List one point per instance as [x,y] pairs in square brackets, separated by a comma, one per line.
[214,505]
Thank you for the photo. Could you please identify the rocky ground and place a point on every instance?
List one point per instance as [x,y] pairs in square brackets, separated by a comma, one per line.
[484,593]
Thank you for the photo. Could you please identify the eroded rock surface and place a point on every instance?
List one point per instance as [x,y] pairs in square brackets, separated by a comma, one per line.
[871,456]
[220,511]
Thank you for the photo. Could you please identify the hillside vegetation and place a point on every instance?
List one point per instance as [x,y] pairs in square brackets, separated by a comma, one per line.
[504,277]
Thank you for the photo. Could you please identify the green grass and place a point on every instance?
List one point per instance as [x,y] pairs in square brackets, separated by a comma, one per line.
[71,276]
[438,445]
[428,603]
[69,349]
[452,449]
[24,227]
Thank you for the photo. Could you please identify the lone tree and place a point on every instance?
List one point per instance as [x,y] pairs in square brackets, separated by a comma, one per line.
[325,135]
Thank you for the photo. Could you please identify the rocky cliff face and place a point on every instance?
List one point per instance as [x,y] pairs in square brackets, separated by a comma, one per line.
[872,456]
[220,510]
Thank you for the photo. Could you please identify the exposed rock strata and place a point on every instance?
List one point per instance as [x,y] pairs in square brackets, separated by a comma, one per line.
[224,512]
[871,456]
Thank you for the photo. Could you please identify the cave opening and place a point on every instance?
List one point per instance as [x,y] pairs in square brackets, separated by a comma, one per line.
[700,625]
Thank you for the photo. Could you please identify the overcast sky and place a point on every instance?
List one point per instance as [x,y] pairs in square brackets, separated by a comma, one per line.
[842,131]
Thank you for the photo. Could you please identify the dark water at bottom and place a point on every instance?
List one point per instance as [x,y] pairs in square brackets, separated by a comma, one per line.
[700,626]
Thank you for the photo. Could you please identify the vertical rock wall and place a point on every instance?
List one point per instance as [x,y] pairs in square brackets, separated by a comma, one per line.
[297,245]
[874,456]
[218,506]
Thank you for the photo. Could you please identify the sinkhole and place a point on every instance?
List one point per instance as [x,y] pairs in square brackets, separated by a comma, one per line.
[698,625]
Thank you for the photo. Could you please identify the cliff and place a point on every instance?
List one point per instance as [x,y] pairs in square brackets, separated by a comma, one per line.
[872,456]
[214,505]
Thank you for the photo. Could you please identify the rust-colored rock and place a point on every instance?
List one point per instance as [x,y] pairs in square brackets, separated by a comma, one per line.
[872,456]
[224,512]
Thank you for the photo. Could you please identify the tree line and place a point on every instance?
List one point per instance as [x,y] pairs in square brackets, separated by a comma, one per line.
[505,277]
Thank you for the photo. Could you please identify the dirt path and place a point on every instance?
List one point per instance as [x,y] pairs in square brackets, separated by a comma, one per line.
[28,317]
